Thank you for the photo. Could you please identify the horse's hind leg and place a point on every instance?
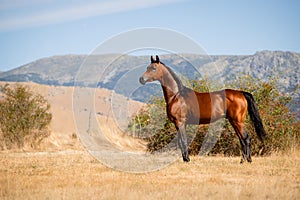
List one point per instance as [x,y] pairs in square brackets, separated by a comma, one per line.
[247,141]
[244,140]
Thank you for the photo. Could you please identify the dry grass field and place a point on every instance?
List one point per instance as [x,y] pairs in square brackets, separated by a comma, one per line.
[77,175]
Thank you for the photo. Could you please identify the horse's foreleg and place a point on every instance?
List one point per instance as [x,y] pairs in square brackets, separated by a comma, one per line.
[182,141]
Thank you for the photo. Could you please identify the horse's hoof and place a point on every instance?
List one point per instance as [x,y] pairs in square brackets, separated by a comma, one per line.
[186,159]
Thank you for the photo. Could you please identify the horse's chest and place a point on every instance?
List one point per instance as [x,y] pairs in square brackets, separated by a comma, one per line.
[176,110]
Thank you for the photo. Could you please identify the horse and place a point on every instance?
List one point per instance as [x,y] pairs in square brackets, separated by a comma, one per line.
[186,106]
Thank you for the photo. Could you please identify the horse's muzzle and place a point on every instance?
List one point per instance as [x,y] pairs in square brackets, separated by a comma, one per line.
[142,80]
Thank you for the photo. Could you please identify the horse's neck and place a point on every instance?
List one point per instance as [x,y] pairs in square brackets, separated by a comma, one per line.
[169,86]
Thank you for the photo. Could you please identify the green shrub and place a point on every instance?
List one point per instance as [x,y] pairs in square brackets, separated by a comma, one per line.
[24,117]
[280,124]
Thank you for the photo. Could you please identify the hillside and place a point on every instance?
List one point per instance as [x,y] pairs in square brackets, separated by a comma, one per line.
[107,70]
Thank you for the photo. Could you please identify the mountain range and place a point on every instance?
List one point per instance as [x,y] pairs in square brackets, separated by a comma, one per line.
[119,72]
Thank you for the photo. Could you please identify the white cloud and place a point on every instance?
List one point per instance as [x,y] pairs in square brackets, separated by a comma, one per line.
[66,12]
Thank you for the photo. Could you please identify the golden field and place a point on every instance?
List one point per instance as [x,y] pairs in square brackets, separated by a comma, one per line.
[76,175]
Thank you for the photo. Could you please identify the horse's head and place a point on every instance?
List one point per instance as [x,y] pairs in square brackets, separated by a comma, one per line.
[154,71]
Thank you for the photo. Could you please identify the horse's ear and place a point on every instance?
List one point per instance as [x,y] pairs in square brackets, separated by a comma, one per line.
[157,59]
[152,60]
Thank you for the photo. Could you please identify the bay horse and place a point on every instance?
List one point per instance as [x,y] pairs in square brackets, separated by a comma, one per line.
[186,106]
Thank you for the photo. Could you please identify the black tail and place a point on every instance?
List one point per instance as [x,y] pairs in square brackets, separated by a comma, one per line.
[254,115]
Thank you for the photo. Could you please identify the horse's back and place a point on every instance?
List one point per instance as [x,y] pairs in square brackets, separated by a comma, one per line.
[204,108]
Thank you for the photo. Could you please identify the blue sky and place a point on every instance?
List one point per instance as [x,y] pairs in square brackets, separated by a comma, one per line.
[33,29]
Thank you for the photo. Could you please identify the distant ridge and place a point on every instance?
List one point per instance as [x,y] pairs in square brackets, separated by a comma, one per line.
[62,70]
[54,70]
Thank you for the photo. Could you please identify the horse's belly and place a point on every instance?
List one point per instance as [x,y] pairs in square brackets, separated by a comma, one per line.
[203,119]
[197,120]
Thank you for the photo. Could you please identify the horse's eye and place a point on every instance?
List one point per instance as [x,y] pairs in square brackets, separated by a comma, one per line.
[153,69]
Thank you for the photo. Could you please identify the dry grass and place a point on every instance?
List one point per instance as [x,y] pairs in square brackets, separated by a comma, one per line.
[77,175]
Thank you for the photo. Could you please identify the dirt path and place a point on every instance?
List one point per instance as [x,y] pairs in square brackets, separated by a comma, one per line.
[77,175]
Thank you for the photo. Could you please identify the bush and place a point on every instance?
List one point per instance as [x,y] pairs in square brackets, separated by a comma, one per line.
[24,117]
[280,124]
